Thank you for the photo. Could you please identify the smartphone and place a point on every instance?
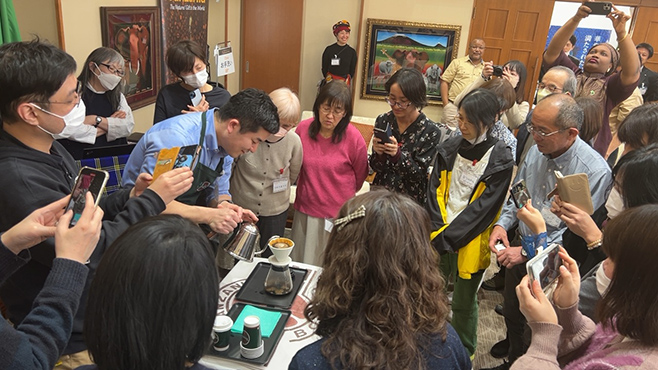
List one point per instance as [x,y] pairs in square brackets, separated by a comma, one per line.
[599,8]
[384,134]
[88,180]
[166,160]
[498,71]
[187,156]
[545,266]
[195,97]
[519,194]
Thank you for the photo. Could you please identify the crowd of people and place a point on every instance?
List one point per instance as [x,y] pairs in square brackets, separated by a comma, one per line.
[113,291]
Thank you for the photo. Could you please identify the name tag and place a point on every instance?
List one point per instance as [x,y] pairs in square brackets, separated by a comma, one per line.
[335,61]
[468,178]
[328,224]
[279,185]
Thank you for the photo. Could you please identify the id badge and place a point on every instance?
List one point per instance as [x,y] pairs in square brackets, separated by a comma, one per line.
[328,224]
[279,185]
[468,178]
[335,61]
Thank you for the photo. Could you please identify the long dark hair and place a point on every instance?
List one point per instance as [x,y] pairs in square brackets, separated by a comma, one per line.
[98,56]
[381,296]
[334,94]
[630,306]
[637,176]
[153,300]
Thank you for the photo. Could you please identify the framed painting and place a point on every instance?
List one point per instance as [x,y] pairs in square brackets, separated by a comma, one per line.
[135,33]
[391,45]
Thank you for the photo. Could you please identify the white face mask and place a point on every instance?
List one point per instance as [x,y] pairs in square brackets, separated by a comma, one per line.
[602,280]
[196,80]
[541,94]
[615,204]
[108,80]
[73,119]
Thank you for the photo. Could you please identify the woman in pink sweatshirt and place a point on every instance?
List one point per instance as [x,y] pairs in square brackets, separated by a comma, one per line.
[334,166]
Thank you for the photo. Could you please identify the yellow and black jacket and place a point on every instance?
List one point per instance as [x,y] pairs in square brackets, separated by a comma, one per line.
[468,234]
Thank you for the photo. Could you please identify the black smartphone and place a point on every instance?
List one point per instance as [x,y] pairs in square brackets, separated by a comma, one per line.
[187,156]
[498,71]
[384,134]
[599,8]
[88,180]
[519,194]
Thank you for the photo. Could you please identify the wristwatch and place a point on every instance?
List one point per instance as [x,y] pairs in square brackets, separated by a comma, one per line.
[99,119]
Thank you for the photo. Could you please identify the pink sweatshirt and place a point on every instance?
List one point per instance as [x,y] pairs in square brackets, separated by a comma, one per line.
[331,172]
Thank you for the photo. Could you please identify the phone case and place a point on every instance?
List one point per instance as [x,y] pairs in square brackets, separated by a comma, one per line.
[187,156]
[384,134]
[574,189]
[599,8]
[543,268]
[89,180]
[166,160]
[519,193]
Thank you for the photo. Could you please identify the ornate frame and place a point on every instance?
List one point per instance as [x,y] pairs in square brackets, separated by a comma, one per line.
[391,45]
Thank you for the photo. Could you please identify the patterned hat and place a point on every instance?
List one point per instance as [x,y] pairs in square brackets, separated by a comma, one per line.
[341,25]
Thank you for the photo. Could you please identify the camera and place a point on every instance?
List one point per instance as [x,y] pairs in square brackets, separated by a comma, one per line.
[498,71]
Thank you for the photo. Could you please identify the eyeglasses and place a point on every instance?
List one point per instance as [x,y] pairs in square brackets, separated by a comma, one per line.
[551,88]
[532,131]
[78,94]
[110,68]
[325,109]
[400,105]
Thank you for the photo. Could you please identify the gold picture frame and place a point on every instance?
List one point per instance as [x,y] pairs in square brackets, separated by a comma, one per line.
[391,45]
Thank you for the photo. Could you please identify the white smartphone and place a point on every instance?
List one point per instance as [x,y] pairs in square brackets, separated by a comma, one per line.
[545,266]
[88,180]
[195,97]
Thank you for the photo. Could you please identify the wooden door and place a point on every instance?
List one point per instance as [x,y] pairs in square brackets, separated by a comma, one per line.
[514,29]
[271,44]
[646,30]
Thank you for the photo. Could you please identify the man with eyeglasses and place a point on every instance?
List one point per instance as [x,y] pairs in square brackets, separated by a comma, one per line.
[460,73]
[554,126]
[557,80]
[39,98]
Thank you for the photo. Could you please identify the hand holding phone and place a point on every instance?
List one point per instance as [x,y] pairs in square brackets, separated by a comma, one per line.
[545,266]
[195,97]
[520,194]
[384,134]
[599,8]
[89,180]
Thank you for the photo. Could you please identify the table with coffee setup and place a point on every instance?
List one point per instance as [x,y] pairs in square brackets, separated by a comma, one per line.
[265,298]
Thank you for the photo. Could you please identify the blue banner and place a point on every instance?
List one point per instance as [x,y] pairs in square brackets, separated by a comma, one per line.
[586,38]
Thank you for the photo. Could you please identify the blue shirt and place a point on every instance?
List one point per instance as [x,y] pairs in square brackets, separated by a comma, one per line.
[537,170]
[181,130]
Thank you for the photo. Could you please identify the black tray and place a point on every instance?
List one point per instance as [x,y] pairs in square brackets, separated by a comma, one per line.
[253,289]
[269,344]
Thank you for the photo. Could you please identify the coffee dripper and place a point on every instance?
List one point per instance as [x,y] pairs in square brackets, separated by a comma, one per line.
[279,279]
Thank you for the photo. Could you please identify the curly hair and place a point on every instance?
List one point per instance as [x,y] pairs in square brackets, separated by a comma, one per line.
[381,296]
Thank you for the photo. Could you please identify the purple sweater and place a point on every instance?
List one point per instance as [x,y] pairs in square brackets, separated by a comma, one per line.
[331,172]
[580,345]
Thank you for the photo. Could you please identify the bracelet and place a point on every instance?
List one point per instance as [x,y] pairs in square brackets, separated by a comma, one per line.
[595,244]
[622,39]
[225,200]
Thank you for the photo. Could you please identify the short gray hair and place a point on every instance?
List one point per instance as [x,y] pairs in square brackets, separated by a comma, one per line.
[570,83]
[569,114]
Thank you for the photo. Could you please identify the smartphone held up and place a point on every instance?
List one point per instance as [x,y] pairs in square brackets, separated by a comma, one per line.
[545,266]
[88,180]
